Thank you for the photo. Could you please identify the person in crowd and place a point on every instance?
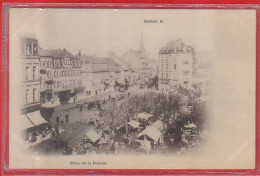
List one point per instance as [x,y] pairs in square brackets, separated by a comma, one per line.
[61,119]
[67,118]
[57,119]
[53,133]
[56,130]
[81,107]
[30,137]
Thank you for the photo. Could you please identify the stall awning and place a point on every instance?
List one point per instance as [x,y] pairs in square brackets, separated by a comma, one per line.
[36,118]
[134,124]
[191,125]
[93,136]
[158,124]
[144,115]
[152,134]
[25,123]
[51,104]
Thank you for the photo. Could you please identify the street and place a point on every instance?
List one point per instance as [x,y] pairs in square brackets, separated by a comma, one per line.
[78,124]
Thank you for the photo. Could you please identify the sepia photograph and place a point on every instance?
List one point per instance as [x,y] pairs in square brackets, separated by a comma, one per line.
[132,88]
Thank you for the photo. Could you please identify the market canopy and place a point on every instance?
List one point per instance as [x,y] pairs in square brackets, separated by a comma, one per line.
[93,136]
[134,124]
[144,115]
[158,124]
[36,118]
[191,125]
[50,104]
[152,134]
[25,123]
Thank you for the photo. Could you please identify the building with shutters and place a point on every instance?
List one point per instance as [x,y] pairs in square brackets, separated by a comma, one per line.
[30,71]
[60,75]
[176,65]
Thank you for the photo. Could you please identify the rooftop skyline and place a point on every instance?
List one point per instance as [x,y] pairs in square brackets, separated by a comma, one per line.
[100,31]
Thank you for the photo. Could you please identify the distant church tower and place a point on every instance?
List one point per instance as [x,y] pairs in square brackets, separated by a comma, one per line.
[79,53]
[141,48]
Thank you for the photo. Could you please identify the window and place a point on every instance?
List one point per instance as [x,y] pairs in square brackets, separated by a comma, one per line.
[162,66]
[27,73]
[34,72]
[55,73]
[166,75]
[34,92]
[162,75]
[166,66]
[35,52]
[27,96]
[174,67]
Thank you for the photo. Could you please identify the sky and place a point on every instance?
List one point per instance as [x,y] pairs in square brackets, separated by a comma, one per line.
[100,31]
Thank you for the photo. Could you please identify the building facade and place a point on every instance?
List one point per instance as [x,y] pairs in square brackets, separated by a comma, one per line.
[60,75]
[95,74]
[176,66]
[30,70]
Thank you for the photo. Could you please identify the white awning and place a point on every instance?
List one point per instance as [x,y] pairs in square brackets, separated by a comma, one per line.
[93,136]
[151,132]
[144,115]
[36,118]
[134,124]
[191,125]
[51,104]
[158,124]
[25,123]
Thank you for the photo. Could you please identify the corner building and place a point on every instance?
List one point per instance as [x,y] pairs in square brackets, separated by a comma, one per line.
[30,65]
[176,66]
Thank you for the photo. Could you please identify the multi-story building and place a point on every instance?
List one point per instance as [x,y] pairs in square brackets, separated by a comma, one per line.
[176,65]
[60,73]
[46,78]
[30,70]
[95,74]
[139,62]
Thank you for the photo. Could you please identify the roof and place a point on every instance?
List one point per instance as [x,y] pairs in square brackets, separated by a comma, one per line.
[93,136]
[55,53]
[191,125]
[176,46]
[144,115]
[99,60]
[134,124]
[158,124]
[25,122]
[31,120]
[36,118]
[152,133]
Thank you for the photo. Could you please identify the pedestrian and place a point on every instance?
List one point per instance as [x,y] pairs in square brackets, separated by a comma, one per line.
[61,119]
[56,130]
[57,119]
[81,107]
[67,118]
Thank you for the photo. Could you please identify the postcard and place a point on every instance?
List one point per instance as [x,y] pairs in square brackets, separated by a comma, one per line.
[108,88]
